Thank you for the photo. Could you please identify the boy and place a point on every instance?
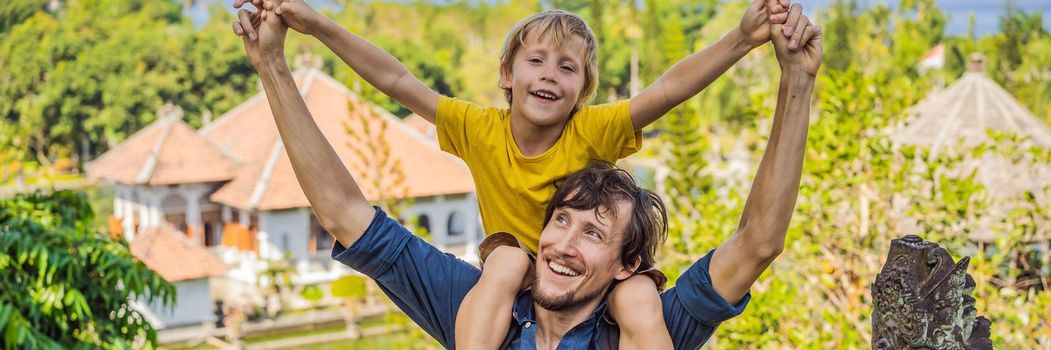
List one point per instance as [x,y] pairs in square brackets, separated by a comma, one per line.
[548,72]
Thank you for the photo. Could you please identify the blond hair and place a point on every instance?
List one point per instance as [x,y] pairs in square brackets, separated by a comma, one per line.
[560,26]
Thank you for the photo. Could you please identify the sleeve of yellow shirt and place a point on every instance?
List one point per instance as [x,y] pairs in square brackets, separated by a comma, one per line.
[452,122]
[609,129]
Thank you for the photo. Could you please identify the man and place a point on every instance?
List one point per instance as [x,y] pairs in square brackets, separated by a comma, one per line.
[598,229]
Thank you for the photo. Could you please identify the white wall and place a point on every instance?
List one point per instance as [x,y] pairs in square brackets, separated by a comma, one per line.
[145,202]
[193,305]
[286,230]
[440,209]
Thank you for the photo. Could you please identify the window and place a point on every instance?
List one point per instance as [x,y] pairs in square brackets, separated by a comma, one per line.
[213,234]
[322,240]
[424,223]
[456,224]
[284,242]
[174,208]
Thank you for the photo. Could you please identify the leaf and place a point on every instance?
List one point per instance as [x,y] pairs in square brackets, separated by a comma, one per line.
[350,286]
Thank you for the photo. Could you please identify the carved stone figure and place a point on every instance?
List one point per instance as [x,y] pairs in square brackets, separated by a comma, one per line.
[923,301]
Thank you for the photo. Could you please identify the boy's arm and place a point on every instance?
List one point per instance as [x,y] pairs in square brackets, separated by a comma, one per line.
[377,67]
[695,72]
[334,195]
[760,235]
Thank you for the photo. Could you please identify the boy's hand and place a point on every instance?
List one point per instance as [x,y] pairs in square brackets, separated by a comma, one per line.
[759,16]
[263,35]
[803,49]
[296,13]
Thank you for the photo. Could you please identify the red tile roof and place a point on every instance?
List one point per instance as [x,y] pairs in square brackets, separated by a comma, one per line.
[243,146]
[266,180]
[173,256]
[422,126]
[166,152]
[936,51]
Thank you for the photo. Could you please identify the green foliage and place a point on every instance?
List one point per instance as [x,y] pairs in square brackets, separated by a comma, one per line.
[81,79]
[67,285]
[350,286]
[859,190]
[275,283]
[216,76]
[13,12]
[913,37]
[312,293]
[838,29]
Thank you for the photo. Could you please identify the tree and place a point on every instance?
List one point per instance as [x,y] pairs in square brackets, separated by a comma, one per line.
[215,75]
[79,80]
[15,11]
[275,283]
[915,36]
[67,285]
[92,68]
[354,291]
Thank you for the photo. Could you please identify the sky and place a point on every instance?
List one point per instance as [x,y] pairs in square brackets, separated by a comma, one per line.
[987,12]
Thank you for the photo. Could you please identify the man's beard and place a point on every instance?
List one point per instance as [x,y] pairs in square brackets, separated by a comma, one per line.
[564,300]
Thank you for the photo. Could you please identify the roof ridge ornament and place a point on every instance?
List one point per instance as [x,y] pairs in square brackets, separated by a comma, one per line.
[307,61]
[976,63]
[169,111]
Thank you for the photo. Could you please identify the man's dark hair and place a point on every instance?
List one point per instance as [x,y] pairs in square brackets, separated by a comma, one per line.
[600,185]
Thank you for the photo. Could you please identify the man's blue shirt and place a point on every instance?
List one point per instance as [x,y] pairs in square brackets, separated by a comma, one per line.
[429,285]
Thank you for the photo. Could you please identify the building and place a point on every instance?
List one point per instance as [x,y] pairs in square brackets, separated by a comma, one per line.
[933,59]
[230,189]
[185,264]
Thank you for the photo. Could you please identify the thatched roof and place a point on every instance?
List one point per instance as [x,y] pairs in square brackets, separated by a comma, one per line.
[965,110]
[962,113]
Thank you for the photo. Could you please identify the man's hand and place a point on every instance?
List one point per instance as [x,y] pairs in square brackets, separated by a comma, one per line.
[802,48]
[263,35]
[755,24]
[296,14]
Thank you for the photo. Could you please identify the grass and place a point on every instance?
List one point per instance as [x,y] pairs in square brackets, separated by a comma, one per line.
[386,341]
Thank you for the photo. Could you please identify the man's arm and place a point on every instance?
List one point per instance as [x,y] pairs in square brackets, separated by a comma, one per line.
[760,235]
[695,72]
[424,282]
[336,198]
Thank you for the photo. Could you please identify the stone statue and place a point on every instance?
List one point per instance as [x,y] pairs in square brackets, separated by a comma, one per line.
[923,301]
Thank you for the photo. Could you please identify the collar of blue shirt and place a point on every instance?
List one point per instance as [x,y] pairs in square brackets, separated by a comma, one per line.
[579,337]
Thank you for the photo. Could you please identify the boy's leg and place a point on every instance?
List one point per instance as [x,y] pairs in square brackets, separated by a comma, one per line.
[636,306]
[505,272]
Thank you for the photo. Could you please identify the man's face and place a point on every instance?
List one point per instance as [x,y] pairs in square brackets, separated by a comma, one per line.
[545,80]
[579,256]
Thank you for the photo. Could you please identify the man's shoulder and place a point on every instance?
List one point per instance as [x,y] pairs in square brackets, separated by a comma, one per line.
[404,264]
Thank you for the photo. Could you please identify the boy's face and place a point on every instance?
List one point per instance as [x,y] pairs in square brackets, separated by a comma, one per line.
[579,256]
[545,81]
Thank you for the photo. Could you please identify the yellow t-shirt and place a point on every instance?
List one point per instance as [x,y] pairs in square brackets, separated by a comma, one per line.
[513,190]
